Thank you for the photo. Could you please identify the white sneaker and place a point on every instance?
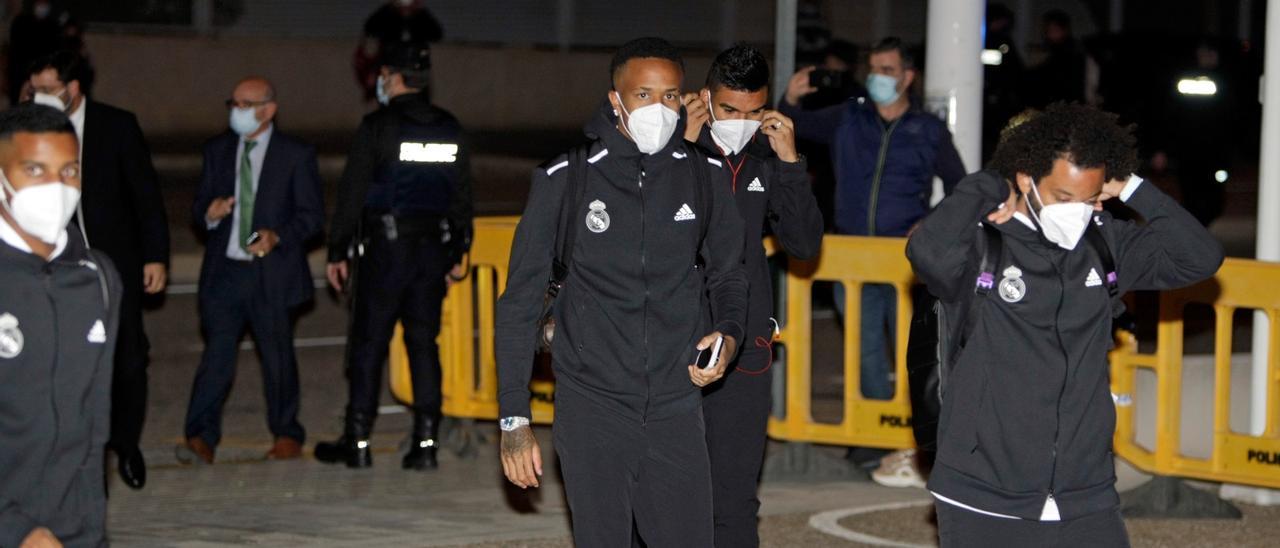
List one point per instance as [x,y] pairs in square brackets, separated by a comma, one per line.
[898,469]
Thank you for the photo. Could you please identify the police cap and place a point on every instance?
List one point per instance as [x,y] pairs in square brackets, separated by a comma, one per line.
[407,56]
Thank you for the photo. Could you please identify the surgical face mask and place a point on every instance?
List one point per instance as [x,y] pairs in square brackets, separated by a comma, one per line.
[882,89]
[731,135]
[380,91]
[52,100]
[650,126]
[244,121]
[1064,223]
[43,210]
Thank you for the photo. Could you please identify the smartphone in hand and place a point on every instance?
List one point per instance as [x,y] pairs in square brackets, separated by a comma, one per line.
[710,356]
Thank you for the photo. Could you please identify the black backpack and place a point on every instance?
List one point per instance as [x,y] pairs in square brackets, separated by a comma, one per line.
[566,232]
[932,343]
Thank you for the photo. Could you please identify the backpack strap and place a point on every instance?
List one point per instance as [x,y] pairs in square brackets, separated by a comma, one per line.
[989,246]
[575,189]
[1093,235]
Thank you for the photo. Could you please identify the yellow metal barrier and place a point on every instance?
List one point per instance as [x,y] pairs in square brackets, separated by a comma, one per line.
[1237,458]
[852,261]
[470,373]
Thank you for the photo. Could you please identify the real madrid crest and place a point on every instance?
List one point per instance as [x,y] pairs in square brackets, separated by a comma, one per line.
[10,337]
[1012,288]
[597,218]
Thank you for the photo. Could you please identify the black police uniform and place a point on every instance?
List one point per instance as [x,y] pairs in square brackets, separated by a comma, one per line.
[629,429]
[405,201]
[58,325]
[737,408]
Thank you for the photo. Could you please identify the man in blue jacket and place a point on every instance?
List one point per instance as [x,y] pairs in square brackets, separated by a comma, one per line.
[886,153]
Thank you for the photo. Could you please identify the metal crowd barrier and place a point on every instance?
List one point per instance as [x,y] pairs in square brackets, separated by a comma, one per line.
[1237,457]
[470,373]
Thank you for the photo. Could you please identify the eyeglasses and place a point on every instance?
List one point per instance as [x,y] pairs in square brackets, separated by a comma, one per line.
[232,103]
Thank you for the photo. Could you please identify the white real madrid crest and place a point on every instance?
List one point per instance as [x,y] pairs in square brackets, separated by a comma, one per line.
[1012,288]
[10,337]
[597,218]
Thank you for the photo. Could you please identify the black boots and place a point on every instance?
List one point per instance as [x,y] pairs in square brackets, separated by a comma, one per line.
[423,443]
[353,447]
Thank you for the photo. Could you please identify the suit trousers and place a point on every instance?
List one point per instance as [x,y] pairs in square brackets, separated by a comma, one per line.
[129,377]
[399,280]
[233,301]
[962,528]
[619,473]
[737,415]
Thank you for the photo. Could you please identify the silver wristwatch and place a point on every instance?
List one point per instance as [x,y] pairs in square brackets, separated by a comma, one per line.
[508,424]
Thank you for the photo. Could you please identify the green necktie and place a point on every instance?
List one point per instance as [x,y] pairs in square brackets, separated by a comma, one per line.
[245,202]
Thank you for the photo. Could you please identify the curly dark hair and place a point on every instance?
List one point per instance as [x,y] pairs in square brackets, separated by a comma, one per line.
[1080,134]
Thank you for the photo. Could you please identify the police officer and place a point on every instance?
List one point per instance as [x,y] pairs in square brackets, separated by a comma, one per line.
[59,314]
[731,119]
[404,218]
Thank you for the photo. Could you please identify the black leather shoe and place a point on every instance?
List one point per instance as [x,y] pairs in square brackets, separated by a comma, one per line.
[133,470]
[353,447]
[423,443]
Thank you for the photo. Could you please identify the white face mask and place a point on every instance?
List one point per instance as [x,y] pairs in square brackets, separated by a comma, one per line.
[43,210]
[244,121]
[50,100]
[650,126]
[1064,223]
[731,135]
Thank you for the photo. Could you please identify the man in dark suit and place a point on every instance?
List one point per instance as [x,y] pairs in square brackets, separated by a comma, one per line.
[122,214]
[260,203]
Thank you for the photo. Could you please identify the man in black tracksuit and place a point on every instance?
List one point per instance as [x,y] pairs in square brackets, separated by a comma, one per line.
[59,313]
[405,201]
[1024,453]
[631,316]
[770,183]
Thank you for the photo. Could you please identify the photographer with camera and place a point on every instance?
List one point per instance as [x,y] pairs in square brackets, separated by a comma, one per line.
[885,153]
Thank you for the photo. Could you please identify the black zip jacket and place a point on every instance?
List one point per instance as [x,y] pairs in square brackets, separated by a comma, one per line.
[55,392]
[633,305]
[768,189]
[1028,413]
[377,142]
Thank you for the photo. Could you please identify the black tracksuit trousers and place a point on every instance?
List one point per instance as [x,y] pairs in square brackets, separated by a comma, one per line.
[737,415]
[962,528]
[619,472]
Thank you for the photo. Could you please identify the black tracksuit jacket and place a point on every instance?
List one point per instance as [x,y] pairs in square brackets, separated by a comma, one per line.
[55,393]
[1028,412]
[768,189]
[633,305]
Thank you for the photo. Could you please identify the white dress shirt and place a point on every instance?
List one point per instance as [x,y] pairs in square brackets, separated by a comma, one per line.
[256,156]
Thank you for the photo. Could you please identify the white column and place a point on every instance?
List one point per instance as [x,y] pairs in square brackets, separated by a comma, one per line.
[1116,20]
[953,85]
[1268,242]
[784,53]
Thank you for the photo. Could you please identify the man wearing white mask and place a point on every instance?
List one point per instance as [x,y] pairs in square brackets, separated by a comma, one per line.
[654,278]
[1024,437]
[259,205]
[122,214]
[886,152]
[59,309]
[770,183]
